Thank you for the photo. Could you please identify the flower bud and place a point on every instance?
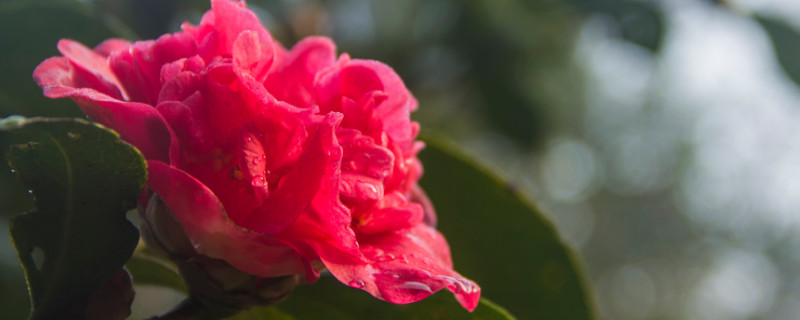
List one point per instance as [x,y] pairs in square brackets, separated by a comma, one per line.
[214,282]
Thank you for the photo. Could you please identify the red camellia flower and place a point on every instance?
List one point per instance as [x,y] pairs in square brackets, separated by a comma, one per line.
[276,161]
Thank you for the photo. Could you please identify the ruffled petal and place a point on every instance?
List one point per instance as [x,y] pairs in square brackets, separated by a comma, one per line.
[392,212]
[139,68]
[355,80]
[136,123]
[318,164]
[108,46]
[211,231]
[293,81]
[405,267]
[91,69]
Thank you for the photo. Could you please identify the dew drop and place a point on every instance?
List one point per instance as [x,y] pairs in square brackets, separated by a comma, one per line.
[386,257]
[258,181]
[358,284]
[417,286]
[38,258]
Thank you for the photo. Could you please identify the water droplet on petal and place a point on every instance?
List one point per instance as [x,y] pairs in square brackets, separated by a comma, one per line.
[258,181]
[358,284]
[422,274]
[417,286]
[386,257]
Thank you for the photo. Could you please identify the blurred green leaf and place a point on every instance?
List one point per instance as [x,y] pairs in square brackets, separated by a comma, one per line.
[331,300]
[786,44]
[148,269]
[639,22]
[83,179]
[500,240]
[29,32]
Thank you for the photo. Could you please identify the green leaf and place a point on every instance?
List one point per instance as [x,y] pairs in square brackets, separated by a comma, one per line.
[29,32]
[84,180]
[329,299]
[148,269]
[500,240]
[786,44]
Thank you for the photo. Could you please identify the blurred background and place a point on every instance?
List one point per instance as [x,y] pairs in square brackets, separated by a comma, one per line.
[661,137]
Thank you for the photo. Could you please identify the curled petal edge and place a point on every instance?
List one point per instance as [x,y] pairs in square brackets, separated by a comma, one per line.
[407,266]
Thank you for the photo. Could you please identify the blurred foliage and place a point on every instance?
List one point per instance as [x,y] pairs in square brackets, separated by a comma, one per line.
[84,179]
[786,43]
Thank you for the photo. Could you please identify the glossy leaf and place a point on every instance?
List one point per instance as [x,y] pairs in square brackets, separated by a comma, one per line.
[500,240]
[786,44]
[331,300]
[84,180]
[148,269]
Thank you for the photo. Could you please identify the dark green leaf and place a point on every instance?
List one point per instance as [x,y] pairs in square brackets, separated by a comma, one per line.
[331,300]
[501,241]
[147,269]
[83,179]
[786,44]
[29,32]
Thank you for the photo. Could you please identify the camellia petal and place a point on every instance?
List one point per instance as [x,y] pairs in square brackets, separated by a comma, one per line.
[405,267]
[211,231]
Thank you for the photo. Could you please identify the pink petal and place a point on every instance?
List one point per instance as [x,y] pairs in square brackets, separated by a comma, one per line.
[355,79]
[364,156]
[137,123]
[213,233]
[91,69]
[392,212]
[230,20]
[406,266]
[108,46]
[253,164]
[318,163]
[356,187]
[139,68]
[195,64]
[293,81]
